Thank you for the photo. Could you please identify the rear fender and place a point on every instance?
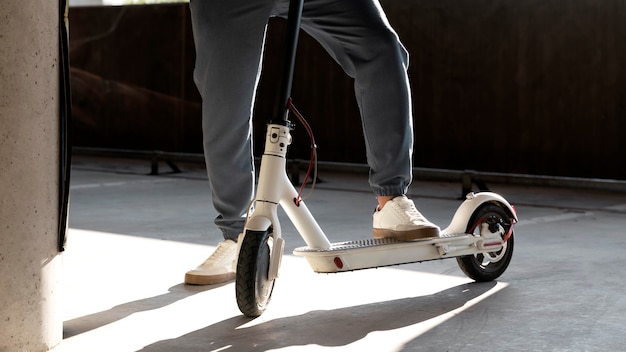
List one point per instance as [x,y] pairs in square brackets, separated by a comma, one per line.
[472,202]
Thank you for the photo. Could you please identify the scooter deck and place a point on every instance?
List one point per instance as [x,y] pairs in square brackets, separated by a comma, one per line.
[372,253]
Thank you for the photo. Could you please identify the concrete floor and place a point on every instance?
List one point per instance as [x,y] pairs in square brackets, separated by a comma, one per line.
[133,236]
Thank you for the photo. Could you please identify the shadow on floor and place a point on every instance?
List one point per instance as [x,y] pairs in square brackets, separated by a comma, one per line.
[93,321]
[337,327]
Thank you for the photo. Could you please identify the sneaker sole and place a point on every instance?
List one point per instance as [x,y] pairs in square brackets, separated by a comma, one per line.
[191,279]
[411,235]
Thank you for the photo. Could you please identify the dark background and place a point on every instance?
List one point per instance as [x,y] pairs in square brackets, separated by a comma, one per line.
[531,86]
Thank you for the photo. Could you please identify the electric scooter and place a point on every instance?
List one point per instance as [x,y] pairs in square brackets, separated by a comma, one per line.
[479,236]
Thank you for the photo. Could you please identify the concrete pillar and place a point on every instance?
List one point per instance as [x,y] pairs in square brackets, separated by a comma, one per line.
[30,265]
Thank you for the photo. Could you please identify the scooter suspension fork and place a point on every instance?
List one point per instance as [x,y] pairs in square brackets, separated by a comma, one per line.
[274,188]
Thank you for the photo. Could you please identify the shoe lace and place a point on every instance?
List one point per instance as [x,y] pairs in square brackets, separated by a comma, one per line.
[222,251]
[409,210]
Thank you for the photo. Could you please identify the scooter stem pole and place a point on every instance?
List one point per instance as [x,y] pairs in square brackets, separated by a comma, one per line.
[294,18]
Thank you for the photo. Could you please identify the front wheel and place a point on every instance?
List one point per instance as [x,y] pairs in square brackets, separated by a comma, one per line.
[490,265]
[253,287]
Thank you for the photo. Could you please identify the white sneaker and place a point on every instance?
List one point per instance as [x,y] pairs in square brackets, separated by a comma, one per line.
[400,219]
[218,268]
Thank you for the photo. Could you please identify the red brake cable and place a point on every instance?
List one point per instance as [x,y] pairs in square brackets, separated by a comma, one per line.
[313,158]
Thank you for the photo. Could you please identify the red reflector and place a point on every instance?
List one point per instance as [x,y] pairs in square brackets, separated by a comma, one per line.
[338,262]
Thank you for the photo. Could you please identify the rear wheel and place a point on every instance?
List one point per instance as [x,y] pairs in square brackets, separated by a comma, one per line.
[490,265]
[253,287]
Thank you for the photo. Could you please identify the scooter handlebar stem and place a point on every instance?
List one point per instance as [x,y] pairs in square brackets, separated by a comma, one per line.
[294,18]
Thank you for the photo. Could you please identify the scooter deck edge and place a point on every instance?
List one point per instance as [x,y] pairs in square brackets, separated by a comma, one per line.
[372,253]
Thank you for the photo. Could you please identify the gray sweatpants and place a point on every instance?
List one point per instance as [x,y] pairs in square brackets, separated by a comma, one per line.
[229,37]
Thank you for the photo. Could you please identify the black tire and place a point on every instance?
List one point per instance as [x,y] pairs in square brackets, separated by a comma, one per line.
[489,266]
[254,289]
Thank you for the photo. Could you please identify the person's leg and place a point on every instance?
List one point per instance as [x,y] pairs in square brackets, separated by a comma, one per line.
[229,37]
[358,36]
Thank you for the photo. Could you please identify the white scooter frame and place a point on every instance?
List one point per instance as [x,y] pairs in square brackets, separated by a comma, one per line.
[479,235]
